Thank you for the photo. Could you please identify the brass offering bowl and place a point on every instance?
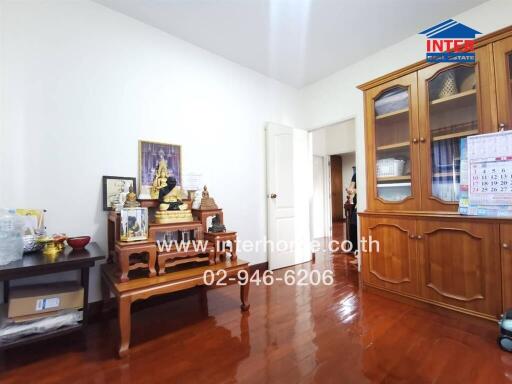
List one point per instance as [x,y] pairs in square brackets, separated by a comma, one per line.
[52,244]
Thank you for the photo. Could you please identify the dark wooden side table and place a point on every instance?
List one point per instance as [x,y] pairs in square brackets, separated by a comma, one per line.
[145,287]
[37,264]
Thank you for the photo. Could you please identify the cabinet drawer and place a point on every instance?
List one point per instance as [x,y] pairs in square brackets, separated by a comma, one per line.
[460,264]
[389,255]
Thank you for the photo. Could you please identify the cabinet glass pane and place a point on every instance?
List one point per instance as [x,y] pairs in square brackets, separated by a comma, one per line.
[452,116]
[393,152]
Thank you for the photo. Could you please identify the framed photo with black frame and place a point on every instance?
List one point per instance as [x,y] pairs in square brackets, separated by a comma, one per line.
[115,189]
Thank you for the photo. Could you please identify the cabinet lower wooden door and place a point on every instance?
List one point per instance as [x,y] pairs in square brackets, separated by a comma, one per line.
[455,101]
[506,264]
[389,255]
[392,145]
[460,265]
[503,68]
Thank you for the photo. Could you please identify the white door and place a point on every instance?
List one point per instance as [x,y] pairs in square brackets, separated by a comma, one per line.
[289,182]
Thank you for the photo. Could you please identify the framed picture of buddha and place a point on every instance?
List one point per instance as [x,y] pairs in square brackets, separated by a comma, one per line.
[157,161]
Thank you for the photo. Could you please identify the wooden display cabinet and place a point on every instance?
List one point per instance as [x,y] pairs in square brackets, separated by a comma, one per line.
[418,116]
[503,69]
[418,120]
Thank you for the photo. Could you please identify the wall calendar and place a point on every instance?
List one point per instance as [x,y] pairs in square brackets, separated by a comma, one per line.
[489,166]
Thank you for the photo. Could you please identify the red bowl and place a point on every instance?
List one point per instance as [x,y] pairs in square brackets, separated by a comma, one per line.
[78,242]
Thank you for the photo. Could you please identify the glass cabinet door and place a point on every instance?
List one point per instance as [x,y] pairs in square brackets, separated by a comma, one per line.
[394,121]
[393,152]
[452,115]
[503,64]
[455,101]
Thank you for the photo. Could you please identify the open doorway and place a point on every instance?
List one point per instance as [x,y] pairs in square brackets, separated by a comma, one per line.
[333,169]
[342,168]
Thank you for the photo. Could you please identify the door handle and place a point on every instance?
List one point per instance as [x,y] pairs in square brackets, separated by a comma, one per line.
[422,139]
[415,141]
[272,195]
[505,245]
[502,126]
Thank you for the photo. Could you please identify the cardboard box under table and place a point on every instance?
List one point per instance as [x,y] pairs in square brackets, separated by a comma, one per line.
[35,301]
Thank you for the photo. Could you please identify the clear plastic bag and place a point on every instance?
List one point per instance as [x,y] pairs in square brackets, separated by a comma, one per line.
[11,237]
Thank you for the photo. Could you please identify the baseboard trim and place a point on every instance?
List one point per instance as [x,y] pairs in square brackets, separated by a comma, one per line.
[99,311]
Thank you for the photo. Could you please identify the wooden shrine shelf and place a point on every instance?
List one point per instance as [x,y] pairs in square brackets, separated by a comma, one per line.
[390,114]
[403,144]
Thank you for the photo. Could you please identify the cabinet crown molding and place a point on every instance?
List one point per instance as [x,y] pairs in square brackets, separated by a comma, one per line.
[483,40]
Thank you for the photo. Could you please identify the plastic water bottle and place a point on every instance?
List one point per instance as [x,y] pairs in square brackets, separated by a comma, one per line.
[11,236]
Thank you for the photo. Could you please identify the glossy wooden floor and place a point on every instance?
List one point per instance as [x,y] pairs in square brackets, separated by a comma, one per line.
[310,334]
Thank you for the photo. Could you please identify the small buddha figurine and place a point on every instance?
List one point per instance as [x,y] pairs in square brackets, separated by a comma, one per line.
[205,193]
[206,201]
[131,199]
[216,225]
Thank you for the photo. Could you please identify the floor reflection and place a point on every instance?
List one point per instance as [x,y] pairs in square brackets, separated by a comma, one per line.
[292,334]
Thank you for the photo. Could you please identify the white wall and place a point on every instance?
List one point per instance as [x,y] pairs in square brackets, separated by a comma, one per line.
[336,97]
[85,83]
[335,138]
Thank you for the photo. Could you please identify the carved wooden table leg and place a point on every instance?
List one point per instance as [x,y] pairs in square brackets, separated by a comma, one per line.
[244,291]
[124,318]
[203,299]
[233,249]
[152,262]
[105,294]
[212,256]
[124,264]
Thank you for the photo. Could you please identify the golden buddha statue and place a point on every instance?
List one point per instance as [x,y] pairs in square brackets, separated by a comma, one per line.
[160,179]
[172,209]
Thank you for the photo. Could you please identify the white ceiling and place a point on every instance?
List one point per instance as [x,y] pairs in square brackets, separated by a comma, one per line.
[295,41]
